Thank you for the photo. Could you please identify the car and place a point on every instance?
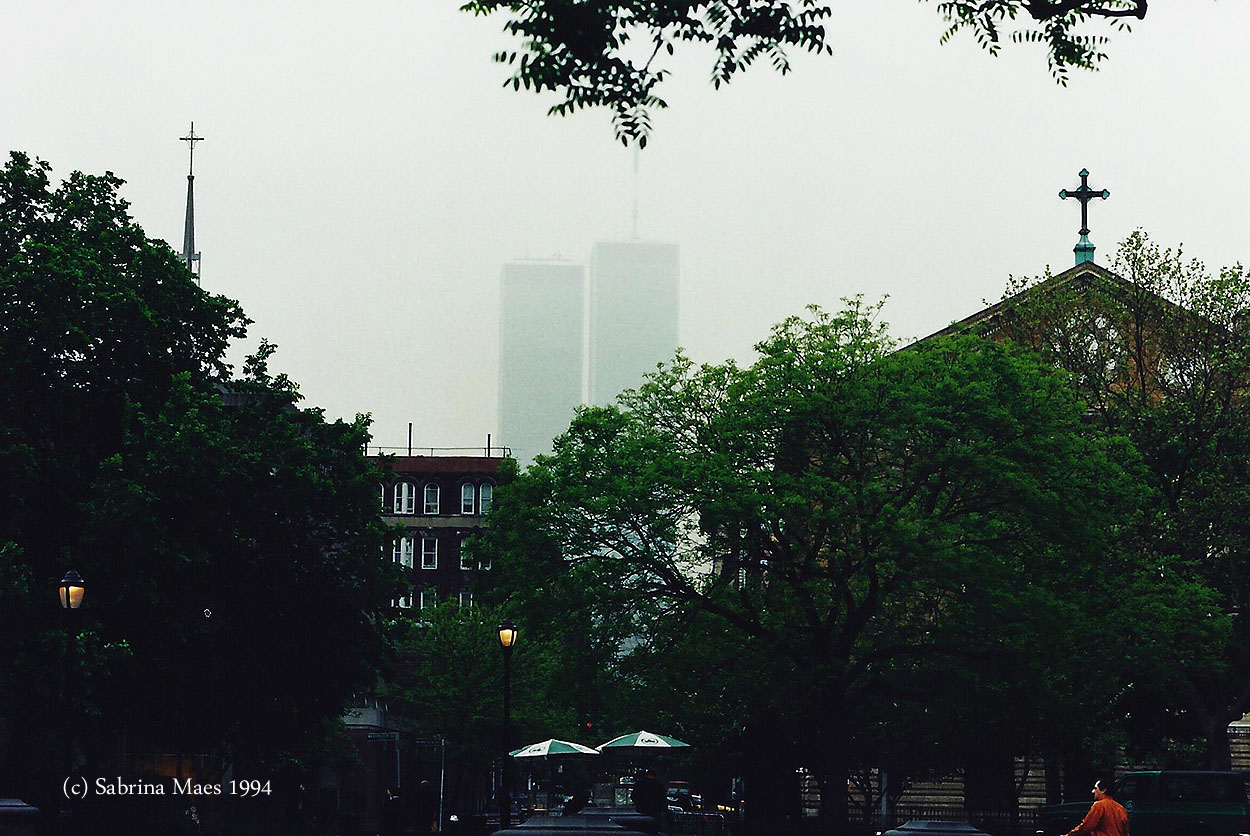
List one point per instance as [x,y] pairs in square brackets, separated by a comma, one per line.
[679,795]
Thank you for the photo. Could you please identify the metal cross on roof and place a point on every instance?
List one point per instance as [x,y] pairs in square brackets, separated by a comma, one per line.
[1084,249]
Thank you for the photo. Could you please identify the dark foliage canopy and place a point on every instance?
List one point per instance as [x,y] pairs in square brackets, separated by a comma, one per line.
[229,538]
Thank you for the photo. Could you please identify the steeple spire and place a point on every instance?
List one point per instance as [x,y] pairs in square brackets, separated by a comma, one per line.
[189,253]
[1084,248]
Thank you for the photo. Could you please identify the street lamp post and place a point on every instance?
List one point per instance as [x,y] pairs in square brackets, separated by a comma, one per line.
[507,638]
[72,589]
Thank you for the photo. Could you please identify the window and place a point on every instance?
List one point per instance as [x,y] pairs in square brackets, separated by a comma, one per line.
[429,553]
[484,563]
[428,598]
[488,493]
[465,561]
[1091,344]
[1181,372]
[403,551]
[467,505]
[405,498]
[466,599]
[382,487]
[431,498]
[406,601]
[1200,787]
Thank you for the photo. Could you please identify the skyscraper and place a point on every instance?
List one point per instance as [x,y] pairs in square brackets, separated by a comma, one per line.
[633,313]
[540,353]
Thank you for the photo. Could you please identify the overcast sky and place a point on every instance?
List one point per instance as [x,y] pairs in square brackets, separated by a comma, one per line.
[364,175]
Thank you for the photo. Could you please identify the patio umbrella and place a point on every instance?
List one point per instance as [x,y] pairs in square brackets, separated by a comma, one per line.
[552,748]
[643,740]
[547,750]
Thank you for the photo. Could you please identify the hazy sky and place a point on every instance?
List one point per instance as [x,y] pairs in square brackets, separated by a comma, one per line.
[364,174]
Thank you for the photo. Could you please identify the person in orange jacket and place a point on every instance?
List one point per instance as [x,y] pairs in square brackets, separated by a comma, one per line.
[1105,818]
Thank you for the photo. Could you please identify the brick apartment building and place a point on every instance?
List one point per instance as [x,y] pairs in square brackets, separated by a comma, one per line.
[439,501]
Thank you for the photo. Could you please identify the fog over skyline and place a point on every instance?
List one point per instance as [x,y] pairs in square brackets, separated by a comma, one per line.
[364,175]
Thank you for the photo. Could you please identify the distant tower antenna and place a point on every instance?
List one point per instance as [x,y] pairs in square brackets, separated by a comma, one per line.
[189,253]
[635,219]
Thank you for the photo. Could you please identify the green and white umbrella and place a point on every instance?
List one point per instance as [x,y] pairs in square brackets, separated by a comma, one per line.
[643,740]
[552,748]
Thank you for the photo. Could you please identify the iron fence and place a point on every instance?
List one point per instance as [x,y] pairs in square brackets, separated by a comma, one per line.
[1020,821]
[697,824]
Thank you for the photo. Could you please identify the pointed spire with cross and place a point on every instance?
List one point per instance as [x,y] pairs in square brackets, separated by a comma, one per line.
[189,253]
[1084,248]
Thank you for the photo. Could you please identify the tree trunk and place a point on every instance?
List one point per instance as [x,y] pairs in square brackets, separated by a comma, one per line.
[1078,776]
[1054,780]
[1219,754]
[990,793]
[770,786]
[833,771]
[1213,717]
[989,779]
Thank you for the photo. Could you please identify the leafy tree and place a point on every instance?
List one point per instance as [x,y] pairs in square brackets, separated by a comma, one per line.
[239,539]
[446,676]
[836,509]
[596,53]
[1157,348]
[229,538]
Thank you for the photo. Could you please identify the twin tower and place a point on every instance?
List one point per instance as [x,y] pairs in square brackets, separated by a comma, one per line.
[568,338]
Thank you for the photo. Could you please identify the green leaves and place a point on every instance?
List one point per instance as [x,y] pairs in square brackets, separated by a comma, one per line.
[841,513]
[230,539]
[1157,351]
[1058,25]
[603,53]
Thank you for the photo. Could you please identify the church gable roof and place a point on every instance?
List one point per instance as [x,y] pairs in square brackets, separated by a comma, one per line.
[990,321]
[1112,333]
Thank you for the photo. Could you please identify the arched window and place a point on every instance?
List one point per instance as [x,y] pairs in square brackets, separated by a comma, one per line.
[405,498]
[431,498]
[404,551]
[382,488]
[1183,371]
[467,505]
[488,493]
[1092,346]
